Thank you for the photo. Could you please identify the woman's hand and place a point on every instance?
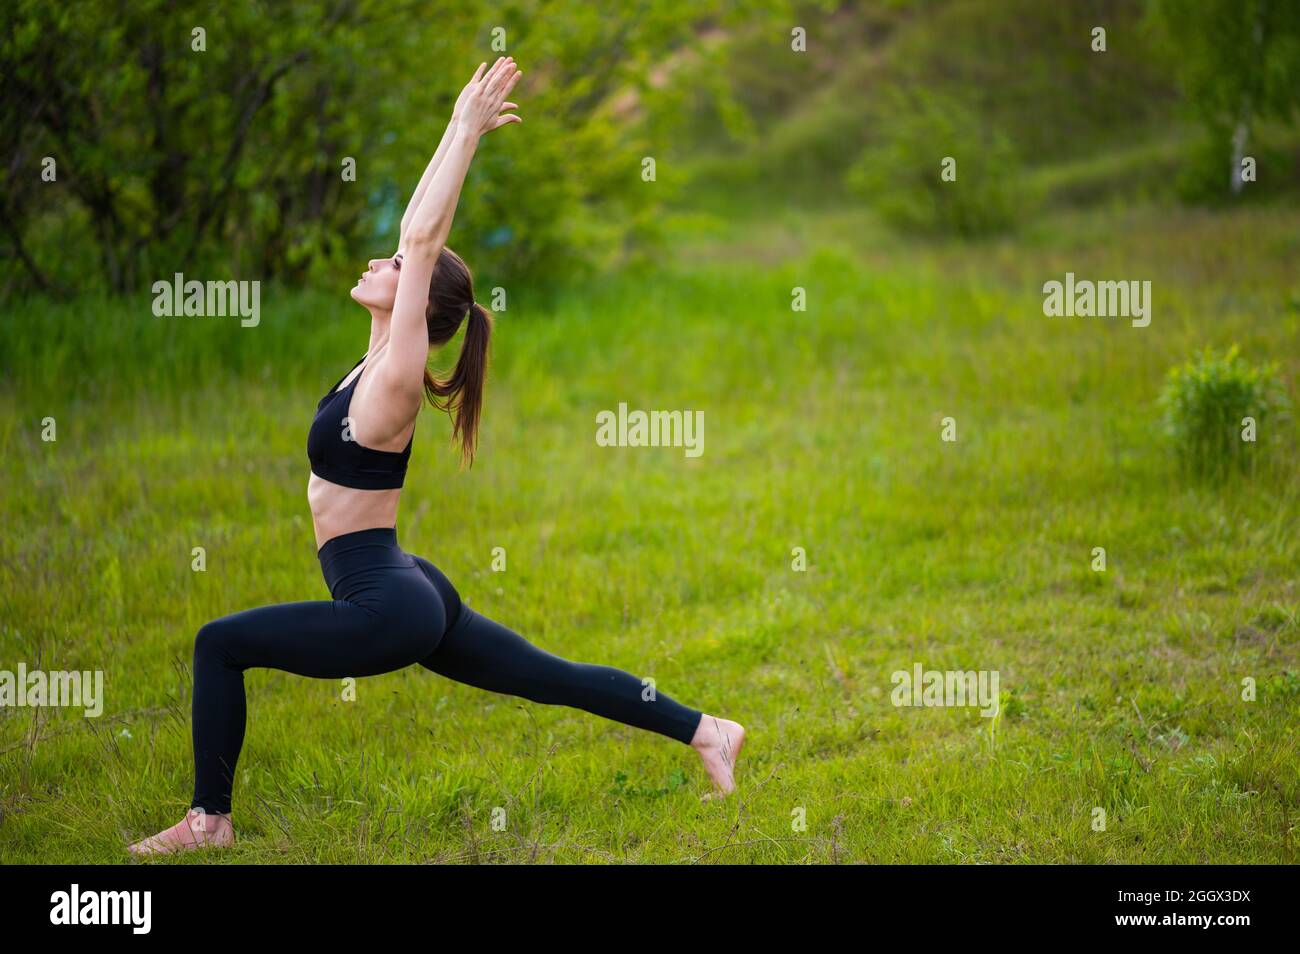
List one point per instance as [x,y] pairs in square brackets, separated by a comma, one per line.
[480,104]
[471,91]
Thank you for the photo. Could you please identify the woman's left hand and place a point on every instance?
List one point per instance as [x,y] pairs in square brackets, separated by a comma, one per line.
[481,103]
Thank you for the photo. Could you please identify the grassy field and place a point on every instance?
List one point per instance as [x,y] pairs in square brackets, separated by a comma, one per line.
[1121,689]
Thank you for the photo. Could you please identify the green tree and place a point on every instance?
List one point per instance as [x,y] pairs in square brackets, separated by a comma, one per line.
[1239,63]
[171,158]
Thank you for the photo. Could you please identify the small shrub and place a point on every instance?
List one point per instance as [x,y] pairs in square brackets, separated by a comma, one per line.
[1205,402]
[900,174]
[1206,173]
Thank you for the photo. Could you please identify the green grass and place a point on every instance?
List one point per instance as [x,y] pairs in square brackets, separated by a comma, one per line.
[1121,690]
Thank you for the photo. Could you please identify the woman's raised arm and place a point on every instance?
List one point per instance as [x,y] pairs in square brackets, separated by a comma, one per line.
[429,171]
[479,111]
[438,155]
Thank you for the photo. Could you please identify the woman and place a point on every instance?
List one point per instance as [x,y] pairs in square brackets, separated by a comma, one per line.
[391,609]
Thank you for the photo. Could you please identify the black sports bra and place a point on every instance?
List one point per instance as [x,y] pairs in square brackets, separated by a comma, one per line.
[341,460]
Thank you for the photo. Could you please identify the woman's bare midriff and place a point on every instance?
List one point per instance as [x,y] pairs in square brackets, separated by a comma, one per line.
[338,510]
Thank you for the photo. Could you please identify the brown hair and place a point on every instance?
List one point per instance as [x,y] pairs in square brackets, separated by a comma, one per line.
[451,300]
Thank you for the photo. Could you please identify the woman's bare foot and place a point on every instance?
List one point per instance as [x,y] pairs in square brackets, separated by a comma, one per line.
[719,742]
[198,829]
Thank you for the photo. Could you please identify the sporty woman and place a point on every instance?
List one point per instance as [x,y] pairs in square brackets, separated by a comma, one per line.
[390,608]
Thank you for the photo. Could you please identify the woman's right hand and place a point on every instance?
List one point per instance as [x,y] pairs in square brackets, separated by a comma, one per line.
[480,104]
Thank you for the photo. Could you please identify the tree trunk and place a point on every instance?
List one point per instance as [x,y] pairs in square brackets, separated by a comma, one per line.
[1241,133]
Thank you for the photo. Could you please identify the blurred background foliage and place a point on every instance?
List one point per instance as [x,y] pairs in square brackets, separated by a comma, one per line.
[231,159]
[228,162]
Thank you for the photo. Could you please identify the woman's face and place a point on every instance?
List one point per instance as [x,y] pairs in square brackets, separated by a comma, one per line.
[377,287]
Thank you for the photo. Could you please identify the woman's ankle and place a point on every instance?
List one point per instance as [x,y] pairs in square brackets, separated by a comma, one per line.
[209,822]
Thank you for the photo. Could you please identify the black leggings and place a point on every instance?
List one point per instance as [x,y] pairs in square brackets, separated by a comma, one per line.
[390,609]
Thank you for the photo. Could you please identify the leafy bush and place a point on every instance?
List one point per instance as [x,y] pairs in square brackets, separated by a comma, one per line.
[228,157]
[1205,402]
[900,174]
[1206,171]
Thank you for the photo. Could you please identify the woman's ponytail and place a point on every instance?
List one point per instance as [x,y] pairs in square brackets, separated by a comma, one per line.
[461,395]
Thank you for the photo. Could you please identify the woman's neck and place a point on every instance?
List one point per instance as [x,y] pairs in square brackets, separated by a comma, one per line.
[379,325]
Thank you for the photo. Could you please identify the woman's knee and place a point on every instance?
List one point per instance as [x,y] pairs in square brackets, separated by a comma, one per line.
[214,639]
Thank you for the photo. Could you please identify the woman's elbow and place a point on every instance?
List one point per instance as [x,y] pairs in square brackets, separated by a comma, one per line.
[424,242]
